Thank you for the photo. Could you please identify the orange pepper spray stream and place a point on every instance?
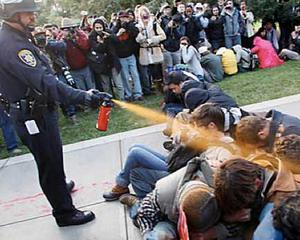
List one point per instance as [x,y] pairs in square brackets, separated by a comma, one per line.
[203,139]
[149,114]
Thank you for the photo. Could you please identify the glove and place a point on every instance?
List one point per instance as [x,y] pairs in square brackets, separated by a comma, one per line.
[94,98]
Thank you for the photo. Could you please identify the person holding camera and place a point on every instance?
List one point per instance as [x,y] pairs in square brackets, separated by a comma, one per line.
[77,48]
[32,90]
[214,31]
[104,61]
[233,24]
[56,50]
[150,55]
[174,30]
[126,33]
[248,17]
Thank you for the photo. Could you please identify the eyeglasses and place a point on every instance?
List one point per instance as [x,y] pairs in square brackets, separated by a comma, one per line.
[184,44]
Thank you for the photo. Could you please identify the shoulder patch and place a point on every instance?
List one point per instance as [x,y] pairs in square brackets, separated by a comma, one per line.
[27,57]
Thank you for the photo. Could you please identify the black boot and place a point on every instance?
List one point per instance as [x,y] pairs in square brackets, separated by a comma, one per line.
[75,218]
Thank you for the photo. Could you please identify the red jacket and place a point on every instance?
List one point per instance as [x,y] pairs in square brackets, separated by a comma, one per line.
[76,52]
[267,55]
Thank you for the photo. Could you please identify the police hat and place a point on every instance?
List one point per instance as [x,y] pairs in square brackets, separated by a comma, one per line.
[8,8]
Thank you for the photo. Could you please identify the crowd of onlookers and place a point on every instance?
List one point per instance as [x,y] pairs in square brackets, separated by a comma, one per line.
[130,54]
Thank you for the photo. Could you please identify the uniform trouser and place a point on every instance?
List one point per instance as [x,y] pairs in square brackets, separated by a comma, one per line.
[46,148]
[8,131]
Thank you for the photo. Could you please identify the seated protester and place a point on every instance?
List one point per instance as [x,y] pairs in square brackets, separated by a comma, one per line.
[191,57]
[246,60]
[286,217]
[77,47]
[215,31]
[177,84]
[271,34]
[293,53]
[188,191]
[150,55]
[266,54]
[104,61]
[157,214]
[233,114]
[256,132]
[243,187]
[228,59]
[212,65]
[144,167]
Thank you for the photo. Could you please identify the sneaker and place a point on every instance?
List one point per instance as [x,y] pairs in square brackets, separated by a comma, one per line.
[116,192]
[74,120]
[128,199]
[139,99]
[15,151]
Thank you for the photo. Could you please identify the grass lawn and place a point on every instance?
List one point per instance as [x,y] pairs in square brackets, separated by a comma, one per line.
[246,88]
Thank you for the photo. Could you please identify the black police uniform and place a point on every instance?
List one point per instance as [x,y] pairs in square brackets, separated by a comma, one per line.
[27,79]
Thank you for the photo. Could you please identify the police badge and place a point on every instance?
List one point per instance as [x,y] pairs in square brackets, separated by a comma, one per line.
[27,57]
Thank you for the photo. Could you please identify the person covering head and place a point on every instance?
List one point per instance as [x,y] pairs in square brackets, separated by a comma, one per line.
[286,217]
[199,204]
[195,97]
[287,148]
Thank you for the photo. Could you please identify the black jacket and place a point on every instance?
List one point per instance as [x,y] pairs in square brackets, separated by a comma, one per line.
[107,49]
[215,30]
[126,44]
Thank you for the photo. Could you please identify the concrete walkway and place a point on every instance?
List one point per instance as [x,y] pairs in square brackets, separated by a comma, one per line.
[25,213]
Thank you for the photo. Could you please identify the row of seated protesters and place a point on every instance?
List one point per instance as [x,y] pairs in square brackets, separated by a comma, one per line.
[228,173]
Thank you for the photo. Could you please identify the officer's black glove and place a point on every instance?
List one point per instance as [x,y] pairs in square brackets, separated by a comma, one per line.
[95,98]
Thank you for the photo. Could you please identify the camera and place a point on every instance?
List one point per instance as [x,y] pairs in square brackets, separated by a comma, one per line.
[40,40]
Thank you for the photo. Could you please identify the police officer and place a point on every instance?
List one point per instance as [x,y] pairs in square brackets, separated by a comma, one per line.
[28,83]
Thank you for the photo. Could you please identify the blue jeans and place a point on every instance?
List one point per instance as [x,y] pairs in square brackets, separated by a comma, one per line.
[171,109]
[8,131]
[140,156]
[129,69]
[83,78]
[231,41]
[265,229]
[143,180]
[164,230]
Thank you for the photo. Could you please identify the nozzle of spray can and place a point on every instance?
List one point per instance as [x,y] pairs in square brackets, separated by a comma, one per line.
[104,114]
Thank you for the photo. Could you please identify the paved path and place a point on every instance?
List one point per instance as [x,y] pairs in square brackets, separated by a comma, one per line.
[25,214]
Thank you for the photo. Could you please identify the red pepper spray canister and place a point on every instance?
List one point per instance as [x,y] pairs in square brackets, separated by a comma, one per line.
[104,114]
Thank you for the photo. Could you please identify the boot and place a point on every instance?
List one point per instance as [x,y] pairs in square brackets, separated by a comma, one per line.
[128,199]
[116,192]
